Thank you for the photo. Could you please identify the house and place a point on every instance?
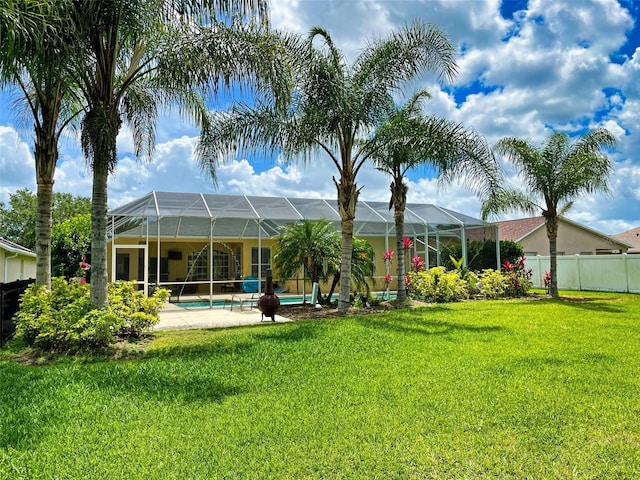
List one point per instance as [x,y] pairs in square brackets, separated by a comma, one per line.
[632,237]
[573,238]
[209,244]
[16,262]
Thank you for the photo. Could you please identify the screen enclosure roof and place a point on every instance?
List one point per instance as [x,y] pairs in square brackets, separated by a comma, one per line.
[183,215]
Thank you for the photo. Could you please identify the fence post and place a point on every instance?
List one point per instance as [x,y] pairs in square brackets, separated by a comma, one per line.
[626,270]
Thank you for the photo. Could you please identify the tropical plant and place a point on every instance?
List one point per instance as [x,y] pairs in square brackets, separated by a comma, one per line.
[437,285]
[310,246]
[23,25]
[408,139]
[37,65]
[335,110]
[136,57]
[554,174]
[314,247]
[518,277]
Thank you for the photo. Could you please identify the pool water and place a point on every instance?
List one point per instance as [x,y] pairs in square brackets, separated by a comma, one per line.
[284,300]
[288,300]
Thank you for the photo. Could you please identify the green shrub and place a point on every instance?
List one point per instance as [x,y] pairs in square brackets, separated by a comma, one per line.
[437,285]
[136,312]
[492,283]
[63,319]
[47,319]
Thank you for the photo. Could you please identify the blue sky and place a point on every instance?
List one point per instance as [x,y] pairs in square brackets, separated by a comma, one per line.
[525,69]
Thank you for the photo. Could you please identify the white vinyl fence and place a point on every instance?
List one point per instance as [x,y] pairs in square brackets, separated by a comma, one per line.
[605,273]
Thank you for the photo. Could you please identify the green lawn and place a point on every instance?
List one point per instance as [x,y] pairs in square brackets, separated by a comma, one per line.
[487,389]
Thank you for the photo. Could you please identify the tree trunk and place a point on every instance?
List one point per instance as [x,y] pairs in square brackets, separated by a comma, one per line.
[347,199]
[552,234]
[46,157]
[43,233]
[399,199]
[99,235]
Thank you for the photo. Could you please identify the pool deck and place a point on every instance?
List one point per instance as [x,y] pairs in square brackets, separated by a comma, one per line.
[173,317]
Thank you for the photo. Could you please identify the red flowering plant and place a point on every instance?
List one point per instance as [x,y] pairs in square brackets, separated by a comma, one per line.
[518,277]
[387,257]
[408,244]
[417,263]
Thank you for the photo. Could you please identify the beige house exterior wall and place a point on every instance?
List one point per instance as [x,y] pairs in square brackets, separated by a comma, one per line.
[177,269]
[571,240]
[16,267]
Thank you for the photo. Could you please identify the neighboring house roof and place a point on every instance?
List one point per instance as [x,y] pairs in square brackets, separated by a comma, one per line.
[632,237]
[517,230]
[15,248]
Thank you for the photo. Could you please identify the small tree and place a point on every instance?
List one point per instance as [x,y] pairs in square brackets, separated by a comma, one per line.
[554,174]
[310,246]
[314,247]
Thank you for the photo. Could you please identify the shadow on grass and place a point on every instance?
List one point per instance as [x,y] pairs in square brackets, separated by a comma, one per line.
[292,332]
[594,304]
[164,382]
[423,321]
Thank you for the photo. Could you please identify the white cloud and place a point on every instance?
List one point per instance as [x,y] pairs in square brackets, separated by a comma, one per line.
[17,165]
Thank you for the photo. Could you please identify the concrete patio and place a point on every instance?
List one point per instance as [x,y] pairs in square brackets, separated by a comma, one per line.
[173,317]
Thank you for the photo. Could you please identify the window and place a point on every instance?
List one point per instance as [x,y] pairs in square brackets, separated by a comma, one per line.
[197,266]
[220,265]
[265,261]
[586,253]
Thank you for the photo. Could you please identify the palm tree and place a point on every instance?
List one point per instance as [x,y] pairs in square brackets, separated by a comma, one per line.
[555,174]
[409,139]
[335,108]
[139,56]
[37,67]
[23,23]
[313,246]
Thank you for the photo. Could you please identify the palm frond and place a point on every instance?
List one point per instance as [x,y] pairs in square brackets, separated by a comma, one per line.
[503,201]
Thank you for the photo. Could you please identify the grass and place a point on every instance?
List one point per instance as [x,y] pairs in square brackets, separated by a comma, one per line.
[488,389]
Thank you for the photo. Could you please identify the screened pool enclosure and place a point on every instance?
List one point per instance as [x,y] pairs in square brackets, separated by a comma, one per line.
[208,243]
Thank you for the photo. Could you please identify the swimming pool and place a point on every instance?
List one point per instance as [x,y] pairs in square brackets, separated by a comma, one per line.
[219,303]
[284,300]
